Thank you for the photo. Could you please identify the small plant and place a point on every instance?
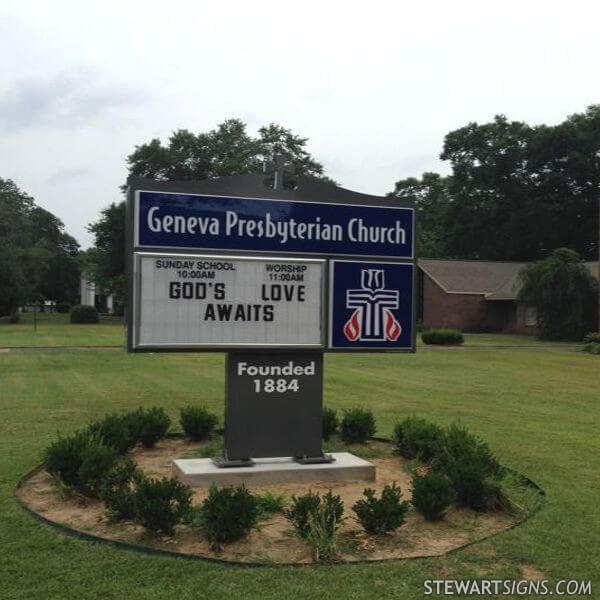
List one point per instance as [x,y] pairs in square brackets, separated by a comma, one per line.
[82,313]
[417,438]
[150,425]
[161,504]
[330,422]
[226,515]
[80,461]
[116,431]
[269,503]
[358,424]
[444,337]
[381,515]
[197,422]
[300,510]
[207,450]
[432,495]
[118,490]
[471,467]
[322,536]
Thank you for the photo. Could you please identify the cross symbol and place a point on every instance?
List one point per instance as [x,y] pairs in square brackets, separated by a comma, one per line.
[279,166]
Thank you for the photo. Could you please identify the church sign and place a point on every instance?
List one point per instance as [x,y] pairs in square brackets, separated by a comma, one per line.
[209,222]
[274,278]
[191,301]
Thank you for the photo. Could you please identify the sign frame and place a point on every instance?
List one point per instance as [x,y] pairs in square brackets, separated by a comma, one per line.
[252,186]
[240,346]
[136,231]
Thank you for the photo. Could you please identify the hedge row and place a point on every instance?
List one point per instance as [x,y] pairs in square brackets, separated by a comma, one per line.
[444,337]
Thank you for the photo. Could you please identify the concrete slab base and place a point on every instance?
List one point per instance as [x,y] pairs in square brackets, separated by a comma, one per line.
[202,472]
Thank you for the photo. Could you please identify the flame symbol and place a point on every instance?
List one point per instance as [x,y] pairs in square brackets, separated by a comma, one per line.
[352,326]
[372,279]
[392,327]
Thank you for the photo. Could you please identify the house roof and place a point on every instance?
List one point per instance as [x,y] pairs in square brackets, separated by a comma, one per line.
[495,280]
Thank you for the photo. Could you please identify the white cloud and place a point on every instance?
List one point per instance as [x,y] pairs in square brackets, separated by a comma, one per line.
[374,86]
[71,98]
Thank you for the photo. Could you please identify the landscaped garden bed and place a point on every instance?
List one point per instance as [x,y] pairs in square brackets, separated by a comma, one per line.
[275,524]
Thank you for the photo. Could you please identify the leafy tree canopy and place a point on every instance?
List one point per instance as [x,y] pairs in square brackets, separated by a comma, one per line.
[38,259]
[516,192]
[564,294]
[227,150]
[430,198]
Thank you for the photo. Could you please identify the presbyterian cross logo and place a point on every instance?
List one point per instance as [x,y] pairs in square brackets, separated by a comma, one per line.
[372,319]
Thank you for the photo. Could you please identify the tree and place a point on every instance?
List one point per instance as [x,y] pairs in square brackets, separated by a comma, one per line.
[564,294]
[105,262]
[38,259]
[492,214]
[430,198]
[226,150]
[516,192]
[14,290]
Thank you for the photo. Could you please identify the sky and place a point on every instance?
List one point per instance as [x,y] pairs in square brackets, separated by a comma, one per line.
[375,86]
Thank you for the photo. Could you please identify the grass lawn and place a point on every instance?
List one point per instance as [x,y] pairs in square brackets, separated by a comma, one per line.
[538,407]
[54,329]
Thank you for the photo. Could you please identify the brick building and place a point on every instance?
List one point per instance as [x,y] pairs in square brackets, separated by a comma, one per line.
[474,295]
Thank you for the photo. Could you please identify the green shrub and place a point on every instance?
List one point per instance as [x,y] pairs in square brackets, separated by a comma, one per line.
[417,438]
[80,461]
[118,490]
[161,504]
[116,430]
[300,510]
[592,347]
[304,506]
[432,495]
[63,307]
[269,503]
[471,467]
[82,313]
[442,337]
[226,515]
[149,425]
[592,337]
[10,319]
[358,424]
[62,458]
[197,422]
[330,422]
[381,515]
[97,460]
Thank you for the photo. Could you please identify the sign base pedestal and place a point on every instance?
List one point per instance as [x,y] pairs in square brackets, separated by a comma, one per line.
[202,472]
[314,460]
[224,463]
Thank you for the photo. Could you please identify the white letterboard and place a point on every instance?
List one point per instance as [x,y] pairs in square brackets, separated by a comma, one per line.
[202,301]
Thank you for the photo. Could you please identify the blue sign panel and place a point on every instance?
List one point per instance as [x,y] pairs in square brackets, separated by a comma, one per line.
[168,220]
[371,305]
